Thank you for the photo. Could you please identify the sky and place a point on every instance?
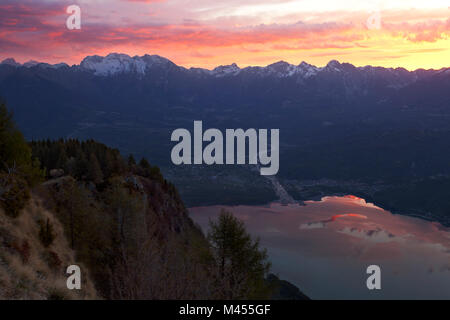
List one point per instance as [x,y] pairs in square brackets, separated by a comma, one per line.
[206,33]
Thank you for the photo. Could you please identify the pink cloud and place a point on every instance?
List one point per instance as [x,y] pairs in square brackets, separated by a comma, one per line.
[146,1]
[36,30]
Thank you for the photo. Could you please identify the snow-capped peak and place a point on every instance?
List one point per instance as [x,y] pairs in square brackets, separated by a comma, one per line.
[282,69]
[333,65]
[32,63]
[115,63]
[152,60]
[10,62]
[221,71]
[308,70]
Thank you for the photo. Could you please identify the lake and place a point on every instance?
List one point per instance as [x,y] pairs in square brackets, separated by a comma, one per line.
[324,247]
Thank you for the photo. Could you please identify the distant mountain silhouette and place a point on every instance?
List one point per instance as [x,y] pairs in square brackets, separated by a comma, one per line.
[373,131]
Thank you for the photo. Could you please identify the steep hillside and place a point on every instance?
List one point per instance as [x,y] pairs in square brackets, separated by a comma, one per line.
[124,221]
[76,202]
[134,237]
[31,268]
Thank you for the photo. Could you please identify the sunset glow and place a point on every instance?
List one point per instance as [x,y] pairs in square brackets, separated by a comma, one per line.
[206,33]
[352,215]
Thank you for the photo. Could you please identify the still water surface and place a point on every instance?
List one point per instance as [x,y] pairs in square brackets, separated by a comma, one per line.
[325,247]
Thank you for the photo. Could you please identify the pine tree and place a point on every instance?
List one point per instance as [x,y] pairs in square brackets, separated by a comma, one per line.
[17,169]
[241,264]
[131,161]
[14,151]
[94,171]
[144,164]
[81,165]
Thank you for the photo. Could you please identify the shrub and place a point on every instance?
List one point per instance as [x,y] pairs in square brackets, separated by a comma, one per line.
[53,260]
[23,250]
[46,234]
[14,194]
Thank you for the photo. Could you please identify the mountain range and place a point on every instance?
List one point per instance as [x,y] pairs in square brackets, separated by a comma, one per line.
[116,63]
[380,133]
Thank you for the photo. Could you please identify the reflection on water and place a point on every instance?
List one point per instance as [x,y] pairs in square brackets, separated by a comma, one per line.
[325,247]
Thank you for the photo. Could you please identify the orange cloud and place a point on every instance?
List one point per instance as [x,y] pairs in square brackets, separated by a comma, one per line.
[408,38]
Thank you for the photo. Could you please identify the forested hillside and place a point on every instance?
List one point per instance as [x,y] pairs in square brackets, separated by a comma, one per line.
[80,202]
